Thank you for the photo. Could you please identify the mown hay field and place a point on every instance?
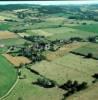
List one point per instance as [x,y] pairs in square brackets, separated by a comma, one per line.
[68,67]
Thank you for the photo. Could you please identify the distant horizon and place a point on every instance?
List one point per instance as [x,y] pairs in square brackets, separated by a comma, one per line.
[49,2]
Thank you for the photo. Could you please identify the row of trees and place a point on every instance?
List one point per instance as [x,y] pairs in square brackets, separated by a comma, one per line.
[88,15]
[72,87]
[95,76]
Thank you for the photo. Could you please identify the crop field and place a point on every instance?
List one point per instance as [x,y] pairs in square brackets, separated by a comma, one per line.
[33,92]
[7,35]
[39,32]
[89,48]
[88,28]
[12,41]
[70,66]
[47,23]
[8,75]
[5,26]
[8,15]
[17,60]
[65,33]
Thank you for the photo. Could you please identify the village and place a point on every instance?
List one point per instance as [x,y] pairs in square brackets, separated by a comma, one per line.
[39,44]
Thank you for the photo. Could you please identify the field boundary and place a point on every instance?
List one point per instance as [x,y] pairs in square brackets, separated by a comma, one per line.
[81,54]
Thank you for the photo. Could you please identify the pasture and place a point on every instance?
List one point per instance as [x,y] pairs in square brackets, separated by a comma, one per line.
[5,26]
[89,48]
[28,91]
[70,66]
[88,94]
[8,75]
[88,28]
[8,15]
[12,41]
[39,32]
[66,32]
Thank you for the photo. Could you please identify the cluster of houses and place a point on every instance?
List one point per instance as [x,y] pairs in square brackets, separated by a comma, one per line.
[34,51]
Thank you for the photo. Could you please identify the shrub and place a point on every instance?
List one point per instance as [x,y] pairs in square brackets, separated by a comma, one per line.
[46,83]
[89,55]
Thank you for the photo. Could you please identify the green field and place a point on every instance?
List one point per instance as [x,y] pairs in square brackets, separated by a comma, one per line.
[16,41]
[65,33]
[8,76]
[2,50]
[60,33]
[27,91]
[88,28]
[5,26]
[89,48]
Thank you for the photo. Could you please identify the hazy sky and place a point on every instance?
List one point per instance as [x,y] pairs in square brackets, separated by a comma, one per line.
[49,2]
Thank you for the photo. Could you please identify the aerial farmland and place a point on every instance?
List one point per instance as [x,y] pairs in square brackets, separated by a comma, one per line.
[48,52]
